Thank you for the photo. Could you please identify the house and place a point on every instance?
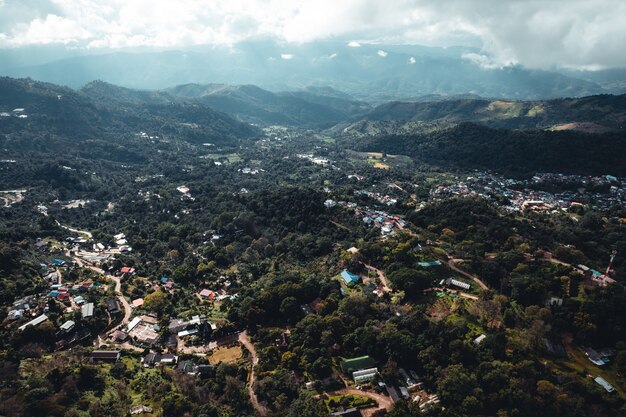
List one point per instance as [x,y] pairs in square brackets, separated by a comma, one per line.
[176,325]
[68,326]
[80,300]
[153,359]
[58,262]
[127,270]
[119,336]
[608,387]
[138,302]
[113,306]
[206,294]
[15,314]
[479,339]
[87,310]
[34,322]
[349,278]
[105,355]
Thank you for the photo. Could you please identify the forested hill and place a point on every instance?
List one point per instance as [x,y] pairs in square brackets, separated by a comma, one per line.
[102,111]
[320,108]
[469,145]
[593,114]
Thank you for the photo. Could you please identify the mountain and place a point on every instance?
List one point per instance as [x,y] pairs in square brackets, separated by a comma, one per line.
[593,114]
[251,103]
[374,73]
[106,112]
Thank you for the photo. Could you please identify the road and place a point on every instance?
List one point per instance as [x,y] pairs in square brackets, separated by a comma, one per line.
[80,232]
[244,339]
[118,292]
[381,276]
[451,264]
[383,401]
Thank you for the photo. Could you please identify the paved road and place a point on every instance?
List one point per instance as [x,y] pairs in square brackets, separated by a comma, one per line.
[244,339]
[451,264]
[383,401]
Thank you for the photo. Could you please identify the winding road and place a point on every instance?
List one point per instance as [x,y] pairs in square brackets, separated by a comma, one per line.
[451,264]
[244,339]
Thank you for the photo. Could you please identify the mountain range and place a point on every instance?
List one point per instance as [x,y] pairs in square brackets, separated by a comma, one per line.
[373,73]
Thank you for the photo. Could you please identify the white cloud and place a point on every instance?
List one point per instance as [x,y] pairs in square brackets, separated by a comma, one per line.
[286,57]
[484,61]
[333,55]
[568,33]
[412,60]
[382,53]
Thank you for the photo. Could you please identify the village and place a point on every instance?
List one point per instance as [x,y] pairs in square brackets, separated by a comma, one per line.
[598,193]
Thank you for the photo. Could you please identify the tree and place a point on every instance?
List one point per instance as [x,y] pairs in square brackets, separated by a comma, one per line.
[307,406]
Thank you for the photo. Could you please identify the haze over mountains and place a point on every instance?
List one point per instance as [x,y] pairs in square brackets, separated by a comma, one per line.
[370,72]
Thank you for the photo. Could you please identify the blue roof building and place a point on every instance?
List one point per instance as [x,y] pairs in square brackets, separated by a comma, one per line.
[349,278]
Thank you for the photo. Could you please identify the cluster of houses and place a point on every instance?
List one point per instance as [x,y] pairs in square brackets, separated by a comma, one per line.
[381,198]
[522,196]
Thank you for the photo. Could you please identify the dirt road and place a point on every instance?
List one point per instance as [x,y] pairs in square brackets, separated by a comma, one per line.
[383,401]
[244,339]
[381,276]
[451,264]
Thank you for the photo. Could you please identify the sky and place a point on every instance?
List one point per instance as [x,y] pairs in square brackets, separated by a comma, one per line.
[579,34]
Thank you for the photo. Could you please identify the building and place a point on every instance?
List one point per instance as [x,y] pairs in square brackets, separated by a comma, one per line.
[479,339]
[87,310]
[105,355]
[34,322]
[349,278]
[68,326]
[364,375]
[608,387]
[457,283]
[357,364]
[113,306]
[206,294]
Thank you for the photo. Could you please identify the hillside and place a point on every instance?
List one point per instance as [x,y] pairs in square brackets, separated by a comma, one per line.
[605,111]
[472,146]
[103,111]
[251,103]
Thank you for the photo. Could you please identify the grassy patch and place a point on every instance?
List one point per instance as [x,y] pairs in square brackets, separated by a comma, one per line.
[226,355]
[334,402]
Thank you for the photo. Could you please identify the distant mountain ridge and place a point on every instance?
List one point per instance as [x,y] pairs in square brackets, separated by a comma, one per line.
[374,73]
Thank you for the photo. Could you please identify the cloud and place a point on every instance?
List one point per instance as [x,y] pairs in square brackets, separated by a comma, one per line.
[484,61]
[412,60]
[286,57]
[555,33]
[332,56]
[382,53]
